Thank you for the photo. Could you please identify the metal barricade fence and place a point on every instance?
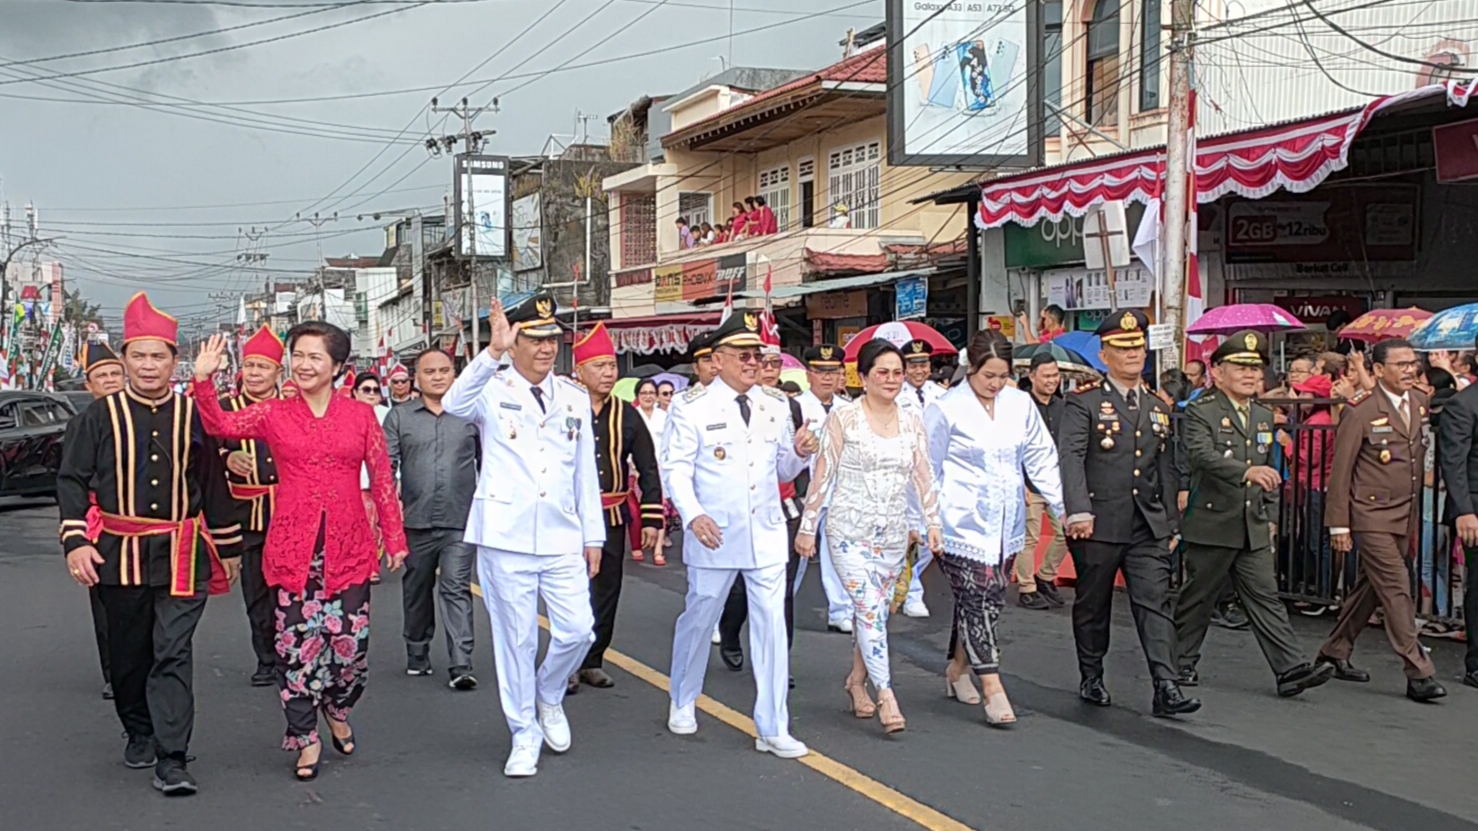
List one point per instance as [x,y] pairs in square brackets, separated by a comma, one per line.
[1309,572]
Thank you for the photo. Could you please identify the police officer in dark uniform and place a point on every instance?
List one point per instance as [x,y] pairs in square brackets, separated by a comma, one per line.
[1228,443]
[1119,484]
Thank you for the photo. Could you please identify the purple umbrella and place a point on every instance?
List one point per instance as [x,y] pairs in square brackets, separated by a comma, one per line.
[679,383]
[1259,317]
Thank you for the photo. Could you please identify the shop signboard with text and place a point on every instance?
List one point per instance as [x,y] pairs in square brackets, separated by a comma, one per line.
[1349,223]
[698,280]
[1316,310]
[835,305]
[1052,243]
[667,284]
[911,298]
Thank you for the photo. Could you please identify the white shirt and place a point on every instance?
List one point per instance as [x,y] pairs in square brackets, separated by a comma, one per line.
[908,397]
[539,490]
[978,465]
[656,423]
[364,481]
[715,465]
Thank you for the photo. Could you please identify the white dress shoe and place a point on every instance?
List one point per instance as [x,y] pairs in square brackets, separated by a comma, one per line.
[783,746]
[915,608]
[682,721]
[717,638]
[556,726]
[523,761]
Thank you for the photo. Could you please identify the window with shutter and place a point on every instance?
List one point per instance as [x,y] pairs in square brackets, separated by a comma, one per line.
[774,186]
[854,179]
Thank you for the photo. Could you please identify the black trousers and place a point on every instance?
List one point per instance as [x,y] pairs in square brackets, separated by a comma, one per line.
[605,593]
[1145,561]
[259,602]
[1470,607]
[100,630]
[736,608]
[151,649]
[439,568]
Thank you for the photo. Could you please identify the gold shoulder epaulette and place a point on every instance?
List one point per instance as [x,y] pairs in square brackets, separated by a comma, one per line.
[774,392]
[572,382]
[694,392]
[1359,396]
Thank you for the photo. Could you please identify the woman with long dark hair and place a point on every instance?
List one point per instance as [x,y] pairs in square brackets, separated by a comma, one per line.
[872,453]
[982,434]
[320,551]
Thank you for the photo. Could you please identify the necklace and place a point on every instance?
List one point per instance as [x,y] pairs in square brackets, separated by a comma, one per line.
[890,424]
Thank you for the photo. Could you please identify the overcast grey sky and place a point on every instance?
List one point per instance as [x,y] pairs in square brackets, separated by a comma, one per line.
[149,187]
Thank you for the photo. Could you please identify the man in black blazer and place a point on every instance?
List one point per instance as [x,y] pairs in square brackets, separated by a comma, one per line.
[1457,444]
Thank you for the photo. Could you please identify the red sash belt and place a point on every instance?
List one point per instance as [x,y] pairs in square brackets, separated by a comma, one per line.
[246,493]
[184,535]
[611,500]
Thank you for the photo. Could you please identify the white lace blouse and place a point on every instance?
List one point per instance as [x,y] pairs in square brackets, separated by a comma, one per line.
[864,479]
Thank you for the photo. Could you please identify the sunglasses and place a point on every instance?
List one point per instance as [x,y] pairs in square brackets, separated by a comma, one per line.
[665,393]
[368,390]
[770,363]
[746,357]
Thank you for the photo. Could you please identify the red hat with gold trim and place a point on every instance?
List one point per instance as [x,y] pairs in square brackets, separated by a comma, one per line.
[141,321]
[265,345]
[597,343]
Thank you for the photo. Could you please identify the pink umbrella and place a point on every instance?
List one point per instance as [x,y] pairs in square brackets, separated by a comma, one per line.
[1259,317]
[941,344]
[789,361]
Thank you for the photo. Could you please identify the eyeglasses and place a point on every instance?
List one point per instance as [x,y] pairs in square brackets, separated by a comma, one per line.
[368,390]
[665,393]
[770,363]
[745,357]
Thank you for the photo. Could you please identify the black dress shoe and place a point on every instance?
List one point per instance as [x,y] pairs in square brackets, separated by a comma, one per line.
[462,679]
[1189,677]
[1094,692]
[1048,590]
[1230,617]
[1170,701]
[1343,670]
[139,752]
[172,779]
[598,678]
[265,676]
[108,691]
[572,686]
[1032,600]
[792,682]
[418,665]
[732,658]
[1424,689]
[1471,678]
[1303,677]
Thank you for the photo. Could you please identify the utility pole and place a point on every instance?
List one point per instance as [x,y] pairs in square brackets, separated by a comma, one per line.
[471,144]
[1179,162]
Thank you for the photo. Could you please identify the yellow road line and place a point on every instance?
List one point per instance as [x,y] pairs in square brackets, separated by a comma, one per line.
[847,777]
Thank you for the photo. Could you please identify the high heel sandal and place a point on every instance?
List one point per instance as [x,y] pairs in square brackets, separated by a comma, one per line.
[311,770]
[892,725]
[658,559]
[961,689]
[862,706]
[998,712]
[345,746]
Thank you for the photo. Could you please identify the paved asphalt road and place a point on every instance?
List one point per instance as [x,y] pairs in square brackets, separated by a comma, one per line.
[1342,757]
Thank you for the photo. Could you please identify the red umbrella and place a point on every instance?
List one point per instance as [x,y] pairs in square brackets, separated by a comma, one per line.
[1384,324]
[941,344]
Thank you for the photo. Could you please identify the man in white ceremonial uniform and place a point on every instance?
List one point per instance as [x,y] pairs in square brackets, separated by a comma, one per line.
[725,451]
[536,519]
[826,378]
[917,394]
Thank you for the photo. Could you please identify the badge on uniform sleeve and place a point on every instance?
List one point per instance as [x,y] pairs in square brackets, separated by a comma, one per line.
[718,453]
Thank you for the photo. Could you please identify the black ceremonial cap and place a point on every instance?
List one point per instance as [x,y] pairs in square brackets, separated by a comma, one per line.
[824,356]
[741,329]
[917,349]
[98,354]
[1123,329]
[534,316]
[700,346]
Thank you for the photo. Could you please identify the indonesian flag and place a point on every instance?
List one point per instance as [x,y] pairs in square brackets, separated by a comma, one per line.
[769,329]
[729,301]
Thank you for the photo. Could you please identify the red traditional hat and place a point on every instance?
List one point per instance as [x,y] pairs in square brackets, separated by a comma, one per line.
[399,371]
[265,345]
[596,344]
[141,321]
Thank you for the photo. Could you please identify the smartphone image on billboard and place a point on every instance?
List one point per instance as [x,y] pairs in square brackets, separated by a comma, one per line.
[944,87]
[974,75]
[1002,64]
[923,63]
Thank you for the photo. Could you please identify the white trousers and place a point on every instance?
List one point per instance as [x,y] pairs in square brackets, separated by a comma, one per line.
[916,587]
[511,586]
[838,602]
[769,657]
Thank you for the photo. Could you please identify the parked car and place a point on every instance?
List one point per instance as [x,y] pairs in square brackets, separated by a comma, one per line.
[31,427]
[79,399]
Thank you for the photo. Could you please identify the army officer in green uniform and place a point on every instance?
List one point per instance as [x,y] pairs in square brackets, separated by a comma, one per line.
[1228,443]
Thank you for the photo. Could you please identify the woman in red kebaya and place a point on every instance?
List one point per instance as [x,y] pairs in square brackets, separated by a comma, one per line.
[739,222]
[320,551]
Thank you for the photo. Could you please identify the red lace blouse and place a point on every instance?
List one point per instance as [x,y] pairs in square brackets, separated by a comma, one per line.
[318,464]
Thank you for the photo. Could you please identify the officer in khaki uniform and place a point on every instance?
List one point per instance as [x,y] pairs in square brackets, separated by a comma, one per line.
[1373,490]
[1228,443]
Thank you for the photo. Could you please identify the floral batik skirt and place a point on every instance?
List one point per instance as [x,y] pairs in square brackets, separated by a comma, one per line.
[322,653]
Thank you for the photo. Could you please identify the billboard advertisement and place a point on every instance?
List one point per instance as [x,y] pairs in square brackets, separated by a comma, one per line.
[959,89]
[482,206]
[528,222]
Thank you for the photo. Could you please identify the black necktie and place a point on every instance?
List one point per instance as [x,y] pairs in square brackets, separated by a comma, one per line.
[825,406]
[743,408]
[920,391]
[1132,399]
[539,397]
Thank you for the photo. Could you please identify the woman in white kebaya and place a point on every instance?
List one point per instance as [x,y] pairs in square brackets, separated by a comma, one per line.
[982,434]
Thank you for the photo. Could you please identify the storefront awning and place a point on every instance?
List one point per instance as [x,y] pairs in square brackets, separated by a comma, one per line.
[659,333]
[832,284]
[1296,156]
